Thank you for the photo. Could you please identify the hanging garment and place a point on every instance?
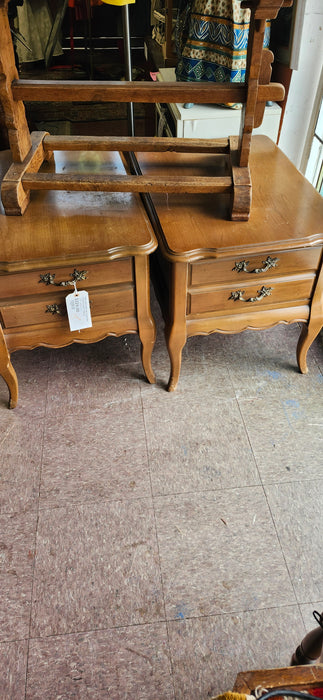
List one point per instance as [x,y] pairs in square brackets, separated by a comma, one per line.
[34,22]
[212,40]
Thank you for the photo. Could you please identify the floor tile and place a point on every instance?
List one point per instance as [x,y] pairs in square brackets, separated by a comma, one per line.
[4,397]
[196,447]
[110,351]
[17,547]
[315,353]
[83,379]
[263,363]
[96,567]
[31,367]
[231,561]
[94,456]
[21,444]
[298,515]
[218,552]
[7,422]
[120,350]
[307,610]
[204,371]
[13,661]
[124,663]
[286,435]
[208,653]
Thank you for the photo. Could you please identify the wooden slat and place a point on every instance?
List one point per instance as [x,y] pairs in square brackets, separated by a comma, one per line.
[124,91]
[127,183]
[139,143]
[142,91]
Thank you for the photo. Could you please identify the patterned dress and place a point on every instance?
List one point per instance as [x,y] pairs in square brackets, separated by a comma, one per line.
[212,40]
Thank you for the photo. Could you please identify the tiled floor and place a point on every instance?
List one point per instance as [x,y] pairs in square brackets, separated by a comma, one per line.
[153,545]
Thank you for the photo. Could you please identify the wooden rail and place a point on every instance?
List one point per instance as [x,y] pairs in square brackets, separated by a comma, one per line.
[142,91]
[133,143]
[126,183]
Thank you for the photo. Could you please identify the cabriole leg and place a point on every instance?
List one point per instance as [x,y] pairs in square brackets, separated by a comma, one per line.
[146,323]
[311,329]
[176,331]
[7,372]
[175,346]
[306,338]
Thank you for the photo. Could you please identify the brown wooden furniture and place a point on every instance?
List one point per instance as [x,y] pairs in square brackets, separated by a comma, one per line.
[233,177]
[101,241]
[293,678]
[216,275]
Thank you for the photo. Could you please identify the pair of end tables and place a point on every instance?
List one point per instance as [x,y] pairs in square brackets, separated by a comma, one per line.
[210,274]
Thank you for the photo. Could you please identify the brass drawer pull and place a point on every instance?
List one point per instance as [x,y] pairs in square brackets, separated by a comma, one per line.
[76,276]
[263,292]
[242,266]
[56,309]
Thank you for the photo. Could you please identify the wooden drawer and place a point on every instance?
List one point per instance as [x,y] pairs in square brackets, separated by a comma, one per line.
[213,272]
[97,275]
[103,303]
[281,291]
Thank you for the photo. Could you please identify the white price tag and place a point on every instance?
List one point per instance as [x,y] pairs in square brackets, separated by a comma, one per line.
[78,310]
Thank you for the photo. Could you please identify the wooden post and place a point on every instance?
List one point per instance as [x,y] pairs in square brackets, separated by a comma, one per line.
[15,116]
[256,70]
[255,45]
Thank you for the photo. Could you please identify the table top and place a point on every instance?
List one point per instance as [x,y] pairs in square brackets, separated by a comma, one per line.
[286,210]
[74,226]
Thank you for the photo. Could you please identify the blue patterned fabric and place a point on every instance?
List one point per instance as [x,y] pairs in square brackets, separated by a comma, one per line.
[213,42]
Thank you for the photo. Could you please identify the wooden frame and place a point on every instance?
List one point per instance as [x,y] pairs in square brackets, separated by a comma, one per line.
[231,163]
[294,678]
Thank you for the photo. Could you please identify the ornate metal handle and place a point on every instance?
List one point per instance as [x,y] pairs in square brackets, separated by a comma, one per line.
[56,309]
[242,266]
[263,292]
[76,276]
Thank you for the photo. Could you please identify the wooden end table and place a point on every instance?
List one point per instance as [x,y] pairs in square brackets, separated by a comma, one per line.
[215,275]
[101,241]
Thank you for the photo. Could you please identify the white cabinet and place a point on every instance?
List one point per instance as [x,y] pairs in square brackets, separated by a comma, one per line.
[208,121]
